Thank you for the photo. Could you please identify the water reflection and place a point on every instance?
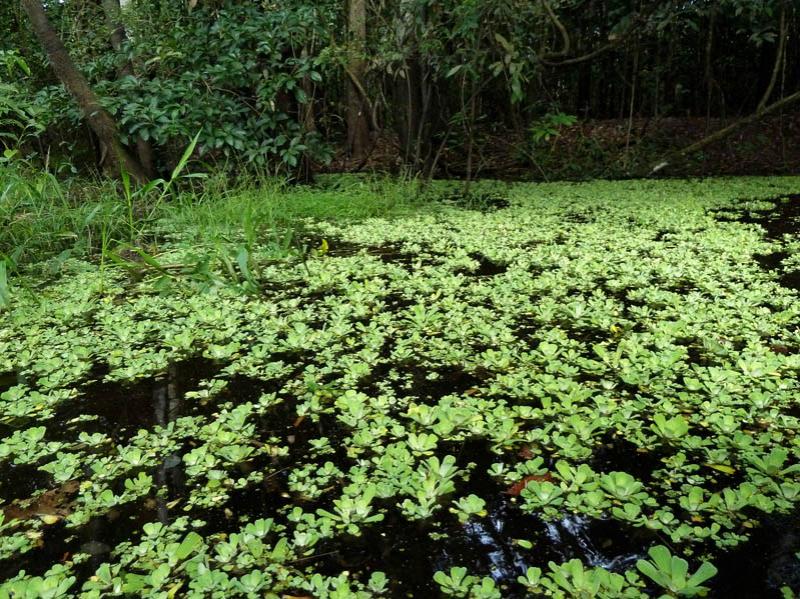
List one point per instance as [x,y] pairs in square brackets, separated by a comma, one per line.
[580,535]
[606,544]
[167,406]
[506,562]
[102,533]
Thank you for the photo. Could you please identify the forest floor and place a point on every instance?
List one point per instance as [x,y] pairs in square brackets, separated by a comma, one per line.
[557,389]
[608,149]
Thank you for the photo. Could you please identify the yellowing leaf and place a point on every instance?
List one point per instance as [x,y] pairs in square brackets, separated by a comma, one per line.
[722,468]
[49,518]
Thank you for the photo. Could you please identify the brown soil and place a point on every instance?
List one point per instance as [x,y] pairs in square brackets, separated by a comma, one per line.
[602,148]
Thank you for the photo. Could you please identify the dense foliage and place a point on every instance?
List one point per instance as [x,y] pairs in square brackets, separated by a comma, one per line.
[270,83]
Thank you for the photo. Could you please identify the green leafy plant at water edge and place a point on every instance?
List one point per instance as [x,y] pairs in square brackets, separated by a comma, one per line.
[457,583]
[5,287]
[671,573]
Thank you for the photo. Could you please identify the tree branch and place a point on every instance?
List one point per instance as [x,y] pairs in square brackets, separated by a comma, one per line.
[614,41]
[561,29]
[584,57]
[726,131]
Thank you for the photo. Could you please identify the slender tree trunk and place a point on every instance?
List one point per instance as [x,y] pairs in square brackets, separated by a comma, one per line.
[308,123]
[115,156]
[583,94]
[113,10]
[782,35]
[118,36]
[408,104]
[709,66]
[308,118]
[422,147]
[781,114]
[469,121]
[357,117]
[632,106]
[670,95]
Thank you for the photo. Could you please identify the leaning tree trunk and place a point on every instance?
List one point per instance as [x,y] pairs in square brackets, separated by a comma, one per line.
[725,132]
[357,110]
[115,156]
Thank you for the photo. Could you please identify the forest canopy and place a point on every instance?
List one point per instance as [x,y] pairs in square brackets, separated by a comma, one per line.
[428,86]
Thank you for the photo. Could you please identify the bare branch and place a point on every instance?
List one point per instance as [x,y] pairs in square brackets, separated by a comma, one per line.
[726,131]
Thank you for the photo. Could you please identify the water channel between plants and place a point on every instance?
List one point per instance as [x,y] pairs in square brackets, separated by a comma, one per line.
[517,398]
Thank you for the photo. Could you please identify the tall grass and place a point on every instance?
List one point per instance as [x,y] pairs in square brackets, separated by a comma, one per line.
[5,287]
[42,216]
[260,208]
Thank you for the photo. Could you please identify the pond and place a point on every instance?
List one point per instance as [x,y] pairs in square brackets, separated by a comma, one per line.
[562,390]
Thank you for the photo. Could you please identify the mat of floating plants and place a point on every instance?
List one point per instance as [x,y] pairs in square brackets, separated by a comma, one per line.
[582,390]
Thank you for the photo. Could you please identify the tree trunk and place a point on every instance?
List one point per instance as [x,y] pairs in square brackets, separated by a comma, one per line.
[308,123]
[782,35]
[408,107]
[632,106]
[115,156]
[357,117]
[112,10]
[709,66]
[118,36]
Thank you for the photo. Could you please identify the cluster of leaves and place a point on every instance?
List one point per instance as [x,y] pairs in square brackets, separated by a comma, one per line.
[232,71]
[19,114]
